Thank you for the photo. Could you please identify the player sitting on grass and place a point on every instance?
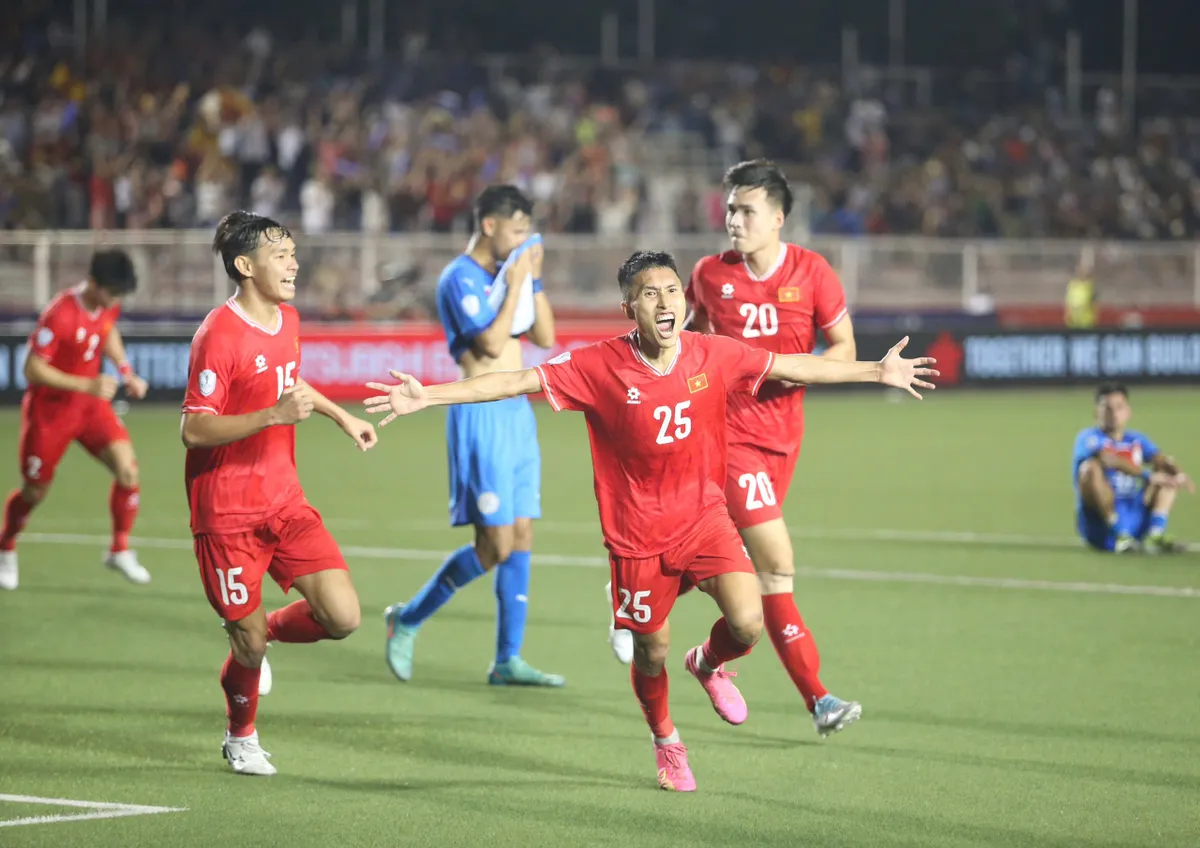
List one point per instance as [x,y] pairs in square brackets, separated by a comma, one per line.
[1124,486]
[655,404]
[68,400]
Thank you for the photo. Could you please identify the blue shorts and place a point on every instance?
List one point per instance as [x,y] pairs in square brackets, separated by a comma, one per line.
[495,465]
[1133,517]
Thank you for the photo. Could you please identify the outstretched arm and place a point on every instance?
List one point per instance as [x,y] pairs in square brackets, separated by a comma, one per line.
[409,396]
[892,370]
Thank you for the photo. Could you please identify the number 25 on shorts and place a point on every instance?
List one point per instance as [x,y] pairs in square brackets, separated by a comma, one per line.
[632,607]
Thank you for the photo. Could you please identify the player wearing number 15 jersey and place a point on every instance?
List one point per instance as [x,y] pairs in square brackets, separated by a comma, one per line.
[249,515]
[777,297]
[68,401]
[655,405]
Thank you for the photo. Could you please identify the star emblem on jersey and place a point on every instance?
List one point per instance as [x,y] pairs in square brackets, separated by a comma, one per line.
[789,295]
[727,291]
[635,396]
[208,382]
[697,384]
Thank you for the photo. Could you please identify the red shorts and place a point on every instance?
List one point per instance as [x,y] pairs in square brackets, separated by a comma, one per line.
[290,544]
[644,589]
[46,435]
[756,483]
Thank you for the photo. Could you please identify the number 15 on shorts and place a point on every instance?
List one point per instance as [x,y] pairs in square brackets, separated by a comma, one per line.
[633,606]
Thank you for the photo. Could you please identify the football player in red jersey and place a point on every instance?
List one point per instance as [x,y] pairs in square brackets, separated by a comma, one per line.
[655,404]
[249,515]
[774,296]
[68,401]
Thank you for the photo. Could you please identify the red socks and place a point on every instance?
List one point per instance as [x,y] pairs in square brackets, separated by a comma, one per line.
[241,696]
[16,516]
[651,693]
[721,647]
[794,644]
[123,505]
[294,623]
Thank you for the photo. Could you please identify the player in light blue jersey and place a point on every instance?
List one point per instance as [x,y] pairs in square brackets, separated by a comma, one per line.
[487,299]
[1124,485]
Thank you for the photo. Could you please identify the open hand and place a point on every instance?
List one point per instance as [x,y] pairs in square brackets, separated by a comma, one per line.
[403,398]
[905,373]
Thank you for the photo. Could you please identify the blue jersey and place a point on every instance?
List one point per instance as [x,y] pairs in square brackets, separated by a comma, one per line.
[464,303]
[1134,446]
[494,463]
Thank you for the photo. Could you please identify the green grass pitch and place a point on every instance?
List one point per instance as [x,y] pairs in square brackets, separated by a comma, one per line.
[1014,694]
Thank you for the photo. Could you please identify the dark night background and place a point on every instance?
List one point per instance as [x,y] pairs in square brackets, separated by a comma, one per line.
[938,33]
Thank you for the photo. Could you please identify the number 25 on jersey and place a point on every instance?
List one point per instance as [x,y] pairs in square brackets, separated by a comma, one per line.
[285,377]
[677,416]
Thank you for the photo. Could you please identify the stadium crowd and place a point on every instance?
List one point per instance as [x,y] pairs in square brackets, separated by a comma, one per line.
[164,128]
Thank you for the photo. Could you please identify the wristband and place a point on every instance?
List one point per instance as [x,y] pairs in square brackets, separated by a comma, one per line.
[537,285]
[125,370]
[1147,474]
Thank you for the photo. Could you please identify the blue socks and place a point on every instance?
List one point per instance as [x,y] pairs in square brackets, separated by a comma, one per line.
[512,604]
[1158,523]
[459,569]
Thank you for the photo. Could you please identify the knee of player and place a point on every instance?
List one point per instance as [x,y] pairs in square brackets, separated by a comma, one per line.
[249,648]
[776,580]
[33,495]
[127,476]
[650,651]
[342,621]
[493,545]
[522,535]
[1091,471]
[746,625]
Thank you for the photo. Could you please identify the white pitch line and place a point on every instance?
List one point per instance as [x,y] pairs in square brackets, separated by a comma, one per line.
[100,810]
[559,560]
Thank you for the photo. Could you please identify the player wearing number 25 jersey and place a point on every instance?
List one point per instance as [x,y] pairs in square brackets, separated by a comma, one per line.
[655,405]
[68,401]
[249,515]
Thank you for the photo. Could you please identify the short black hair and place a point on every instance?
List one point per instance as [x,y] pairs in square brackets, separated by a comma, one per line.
[639,261]
[764,174]
[500,201]
[113,271]
[1111,389]
[240,233]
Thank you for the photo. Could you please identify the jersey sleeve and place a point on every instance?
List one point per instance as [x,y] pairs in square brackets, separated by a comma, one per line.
[745,368]
[1087,445]
[465,304]
[47,335]
[568,380]
[210,370]
[829,298]
[1149,449]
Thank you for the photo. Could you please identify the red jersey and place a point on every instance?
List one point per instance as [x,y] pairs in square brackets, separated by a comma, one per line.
[658,438]
[238,366]
[780,312]
[70,337]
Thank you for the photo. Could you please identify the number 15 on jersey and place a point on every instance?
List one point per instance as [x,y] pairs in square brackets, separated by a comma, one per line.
[286,377]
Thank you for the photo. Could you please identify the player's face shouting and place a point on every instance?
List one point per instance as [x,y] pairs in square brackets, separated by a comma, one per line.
[509,234]
[275,269]
[657,305]
[751,219]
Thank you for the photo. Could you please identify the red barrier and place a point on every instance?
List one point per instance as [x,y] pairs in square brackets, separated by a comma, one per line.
[338,362]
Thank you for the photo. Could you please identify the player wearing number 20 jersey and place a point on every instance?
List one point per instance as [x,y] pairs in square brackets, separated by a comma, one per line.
[655,405]
[68,400]
[249,515]
[773,296]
